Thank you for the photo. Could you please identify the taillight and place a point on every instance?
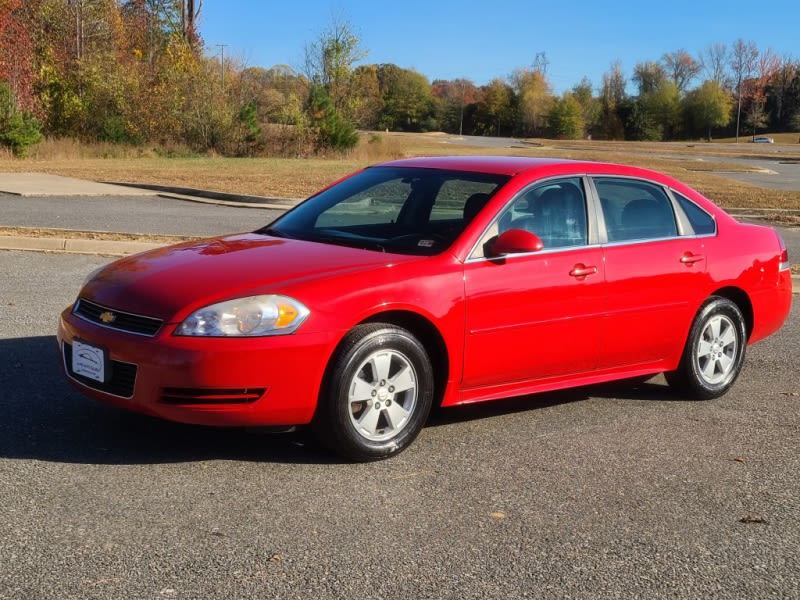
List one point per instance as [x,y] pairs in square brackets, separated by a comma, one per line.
[784,254]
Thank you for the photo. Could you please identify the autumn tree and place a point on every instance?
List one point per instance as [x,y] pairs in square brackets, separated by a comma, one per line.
[565,119]
[783,93]
[452,100]
[494,111]
[681,68]
[407,99]
[655,112]
[612,98]
[708,106]
[535,98]
[17,65]
[590,106]
[365,101]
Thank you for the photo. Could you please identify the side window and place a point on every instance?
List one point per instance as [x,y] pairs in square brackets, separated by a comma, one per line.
[702,223]
[635,210]
[555,211]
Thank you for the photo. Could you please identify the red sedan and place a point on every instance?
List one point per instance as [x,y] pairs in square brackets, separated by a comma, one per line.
[431,280]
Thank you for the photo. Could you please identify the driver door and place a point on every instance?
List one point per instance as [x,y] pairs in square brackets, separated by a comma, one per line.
[536,315]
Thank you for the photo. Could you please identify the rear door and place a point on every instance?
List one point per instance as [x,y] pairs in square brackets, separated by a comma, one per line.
[655,273]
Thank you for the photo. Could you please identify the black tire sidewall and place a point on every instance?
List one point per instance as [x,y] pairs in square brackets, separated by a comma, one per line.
[336,428]
[689,367]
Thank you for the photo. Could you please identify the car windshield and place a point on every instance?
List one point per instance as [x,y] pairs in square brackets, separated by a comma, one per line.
[391,209]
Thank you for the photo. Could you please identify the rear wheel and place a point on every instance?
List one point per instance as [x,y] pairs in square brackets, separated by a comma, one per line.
[714,352]
[377,395]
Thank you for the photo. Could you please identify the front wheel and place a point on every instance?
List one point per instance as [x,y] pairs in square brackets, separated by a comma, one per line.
[377,394]
[714,352]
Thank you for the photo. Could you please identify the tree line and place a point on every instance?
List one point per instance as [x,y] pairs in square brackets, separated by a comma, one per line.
[138,72]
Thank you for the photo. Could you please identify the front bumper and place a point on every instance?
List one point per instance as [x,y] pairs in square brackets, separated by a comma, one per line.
[262,381]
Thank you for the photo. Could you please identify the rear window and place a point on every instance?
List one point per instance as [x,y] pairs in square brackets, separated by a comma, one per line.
[635,210]
[702,223]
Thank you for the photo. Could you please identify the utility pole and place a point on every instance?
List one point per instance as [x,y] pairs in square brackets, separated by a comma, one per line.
[461,117]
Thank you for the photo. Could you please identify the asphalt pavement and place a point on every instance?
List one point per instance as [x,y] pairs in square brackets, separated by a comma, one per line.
[617,491]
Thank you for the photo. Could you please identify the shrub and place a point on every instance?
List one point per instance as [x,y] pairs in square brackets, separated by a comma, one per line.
[18,130]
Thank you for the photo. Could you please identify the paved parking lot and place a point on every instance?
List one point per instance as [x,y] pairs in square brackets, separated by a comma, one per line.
[604,492]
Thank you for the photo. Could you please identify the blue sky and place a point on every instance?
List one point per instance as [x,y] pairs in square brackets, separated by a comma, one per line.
[445,39]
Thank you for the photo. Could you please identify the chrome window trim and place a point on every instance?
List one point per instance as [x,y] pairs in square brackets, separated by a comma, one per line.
[543,252]
[677,212]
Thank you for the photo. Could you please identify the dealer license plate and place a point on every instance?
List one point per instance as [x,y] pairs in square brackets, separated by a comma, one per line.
[89,361]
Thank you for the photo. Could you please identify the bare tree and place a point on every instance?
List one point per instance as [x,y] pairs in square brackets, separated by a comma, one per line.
[743,63]
[648,76]
[330,59]
[681,68]
[782,89]
[190,12]
[612,92]
[714,61]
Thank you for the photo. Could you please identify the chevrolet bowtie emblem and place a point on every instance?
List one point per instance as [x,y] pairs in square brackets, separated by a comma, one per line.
[108,317]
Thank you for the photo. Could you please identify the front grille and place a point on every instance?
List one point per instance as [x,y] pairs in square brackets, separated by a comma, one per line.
[122,321]
[121,383]
[211,396]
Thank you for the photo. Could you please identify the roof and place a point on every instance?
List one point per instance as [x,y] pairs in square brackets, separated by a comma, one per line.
[502,165]
[514,165]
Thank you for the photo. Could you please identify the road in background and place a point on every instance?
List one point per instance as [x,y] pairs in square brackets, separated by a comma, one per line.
[770,170]
[605,492]
[131,214]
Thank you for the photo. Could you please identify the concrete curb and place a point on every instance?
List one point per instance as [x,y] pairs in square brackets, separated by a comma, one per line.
[260,206]
[184,193]
[75,245]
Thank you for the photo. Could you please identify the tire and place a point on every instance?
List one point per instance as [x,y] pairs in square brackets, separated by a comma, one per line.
[377,393]
[714,353]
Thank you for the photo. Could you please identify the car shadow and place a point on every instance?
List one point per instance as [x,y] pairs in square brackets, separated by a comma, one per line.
[45,418]
[624,390]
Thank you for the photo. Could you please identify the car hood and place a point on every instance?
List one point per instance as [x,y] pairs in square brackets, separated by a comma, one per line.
[163,282]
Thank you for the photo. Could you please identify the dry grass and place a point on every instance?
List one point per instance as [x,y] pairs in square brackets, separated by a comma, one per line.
[41,232]
[698,164]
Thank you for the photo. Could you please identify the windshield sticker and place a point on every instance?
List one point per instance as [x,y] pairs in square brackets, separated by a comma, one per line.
[426,243]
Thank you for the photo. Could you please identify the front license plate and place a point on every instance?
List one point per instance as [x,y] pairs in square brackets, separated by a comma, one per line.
[89,361]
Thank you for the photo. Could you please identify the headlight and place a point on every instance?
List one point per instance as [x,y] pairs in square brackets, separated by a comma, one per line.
[251,316]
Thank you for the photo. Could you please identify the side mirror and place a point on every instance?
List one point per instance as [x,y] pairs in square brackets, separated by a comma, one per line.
[514,241]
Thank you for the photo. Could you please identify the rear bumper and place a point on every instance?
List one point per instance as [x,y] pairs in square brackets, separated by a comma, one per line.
[771,307]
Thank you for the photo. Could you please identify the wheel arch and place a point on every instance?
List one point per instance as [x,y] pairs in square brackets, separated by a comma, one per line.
[740,298]
[429,336]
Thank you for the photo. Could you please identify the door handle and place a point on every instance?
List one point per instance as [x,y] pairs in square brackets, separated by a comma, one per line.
[580,271]
[690,259]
